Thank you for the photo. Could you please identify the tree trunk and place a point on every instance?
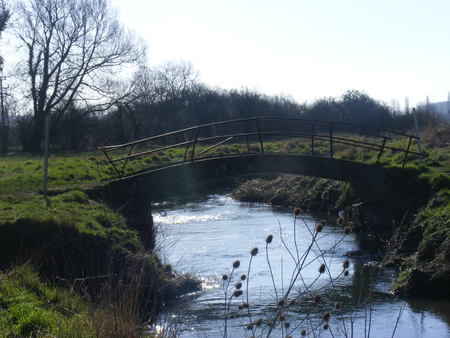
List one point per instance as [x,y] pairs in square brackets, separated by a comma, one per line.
[34,143]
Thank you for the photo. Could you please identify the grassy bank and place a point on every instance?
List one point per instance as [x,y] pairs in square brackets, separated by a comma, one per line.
[75,268]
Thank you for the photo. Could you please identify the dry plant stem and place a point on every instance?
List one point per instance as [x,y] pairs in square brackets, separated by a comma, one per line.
[227,307]
[295,238]
[291,285]
[227,310]
[297,326]
[398,319]
[284,243]
[248,308]
[331,331]
[271,272]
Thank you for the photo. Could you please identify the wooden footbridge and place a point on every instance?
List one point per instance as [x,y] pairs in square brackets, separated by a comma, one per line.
[179,160]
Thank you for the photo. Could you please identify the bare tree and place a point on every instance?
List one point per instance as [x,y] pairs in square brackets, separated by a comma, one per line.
[4,126]
[4,18]
[74,48]
[159,95]
[173,85]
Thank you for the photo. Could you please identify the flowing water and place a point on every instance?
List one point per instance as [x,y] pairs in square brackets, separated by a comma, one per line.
[206,236]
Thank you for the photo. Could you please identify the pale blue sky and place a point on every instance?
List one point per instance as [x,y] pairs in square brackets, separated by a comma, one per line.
[306,49]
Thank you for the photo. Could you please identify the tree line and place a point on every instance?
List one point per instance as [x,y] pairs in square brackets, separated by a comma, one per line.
[74,54]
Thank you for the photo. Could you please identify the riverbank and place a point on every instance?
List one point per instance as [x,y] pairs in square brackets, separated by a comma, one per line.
[408,216]
[76,267]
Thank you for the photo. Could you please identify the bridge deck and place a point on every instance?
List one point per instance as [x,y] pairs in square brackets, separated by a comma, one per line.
[202,159]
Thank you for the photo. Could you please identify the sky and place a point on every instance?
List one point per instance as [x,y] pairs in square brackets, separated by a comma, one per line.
[306,49]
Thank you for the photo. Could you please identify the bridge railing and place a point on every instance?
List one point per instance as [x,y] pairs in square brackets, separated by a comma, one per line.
[257,135]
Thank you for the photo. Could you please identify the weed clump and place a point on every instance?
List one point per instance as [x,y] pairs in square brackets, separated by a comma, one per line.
[288,297]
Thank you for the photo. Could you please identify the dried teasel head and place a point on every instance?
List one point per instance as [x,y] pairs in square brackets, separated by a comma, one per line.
[320,224]
[254,252]
[325,195]
[326,316]
[236,264]
[269,239]
[296,211]
[224,277]
[243,277]
[303,333]
[238,285]
[322,268]
[237,293]
[346,264]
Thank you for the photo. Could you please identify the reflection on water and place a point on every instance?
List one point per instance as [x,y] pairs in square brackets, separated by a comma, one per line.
[205,237]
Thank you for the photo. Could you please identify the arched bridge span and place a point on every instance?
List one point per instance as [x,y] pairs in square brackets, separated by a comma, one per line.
[179,160]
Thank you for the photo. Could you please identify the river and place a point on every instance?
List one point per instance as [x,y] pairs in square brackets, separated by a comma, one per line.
[204,237]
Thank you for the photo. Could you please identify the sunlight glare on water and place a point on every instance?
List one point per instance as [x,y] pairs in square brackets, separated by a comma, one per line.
[204,237]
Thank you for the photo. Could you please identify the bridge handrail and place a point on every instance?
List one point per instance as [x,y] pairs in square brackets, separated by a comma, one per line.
[324,122]
[325,131]
[338,139]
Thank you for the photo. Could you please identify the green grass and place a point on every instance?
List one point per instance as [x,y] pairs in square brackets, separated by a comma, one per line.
[24,174]
[30,307]
[72,208]
[87,247]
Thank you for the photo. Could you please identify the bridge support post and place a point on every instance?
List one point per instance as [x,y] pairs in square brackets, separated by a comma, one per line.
[331,140]
[260,136]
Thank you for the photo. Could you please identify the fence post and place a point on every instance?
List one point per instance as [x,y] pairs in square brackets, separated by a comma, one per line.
[126,161]
[260,136]
[112,163]
[193,146]
[331,139]
[312,139]
[382,148]
[407,151]
[188,146]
